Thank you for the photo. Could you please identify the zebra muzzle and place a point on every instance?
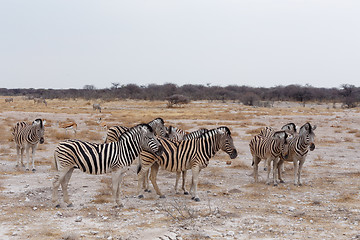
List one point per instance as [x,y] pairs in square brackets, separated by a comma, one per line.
[160,150]
[233,154]
[312,147]
[42,140]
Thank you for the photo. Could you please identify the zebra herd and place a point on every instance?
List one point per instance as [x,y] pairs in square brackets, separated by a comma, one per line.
[167,147]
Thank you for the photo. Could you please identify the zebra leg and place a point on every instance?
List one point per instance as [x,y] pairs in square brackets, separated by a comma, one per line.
[275,169]
[153,175]
[183,182]
[146,181]
[28,157]
[32,157]
[256,161]
[58,179]
[195,180]
[301,163]
[117,176]
[64,185]
[141,175]
[265,168]
[280,166]
[295,171]
[268,170]
[18,156]
[177,181]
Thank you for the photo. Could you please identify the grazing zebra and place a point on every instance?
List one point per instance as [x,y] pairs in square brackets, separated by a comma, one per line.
[191,154]
[268,148]
[299,146]
[289,128]
[26,136]
[7,100]
[96,106]
[114,133]
[180,135]
[40,100]
[95,158]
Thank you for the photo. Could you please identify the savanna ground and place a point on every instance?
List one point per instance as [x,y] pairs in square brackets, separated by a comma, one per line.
[232,206]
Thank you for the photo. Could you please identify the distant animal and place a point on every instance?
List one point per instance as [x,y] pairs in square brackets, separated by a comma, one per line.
[268,148]
[94,158]
[7,100]
[102,124]
[191,154]
[96,106]
[298,149]
[26,136]
[40,100]
[68,126]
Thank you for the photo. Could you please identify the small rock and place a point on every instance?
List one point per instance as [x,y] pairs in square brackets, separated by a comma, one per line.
[94,232]
[291,209]
[34,208]
[78,219]
[230,233]
[27,199]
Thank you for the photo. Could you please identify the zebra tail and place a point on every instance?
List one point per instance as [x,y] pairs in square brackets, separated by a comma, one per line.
[138,166]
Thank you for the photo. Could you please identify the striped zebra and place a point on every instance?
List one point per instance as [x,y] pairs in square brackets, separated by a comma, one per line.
[94,158]
[26,136]
[299,146]
[114,133]
[180,135]
[191,154]
[270,149]
[289,128]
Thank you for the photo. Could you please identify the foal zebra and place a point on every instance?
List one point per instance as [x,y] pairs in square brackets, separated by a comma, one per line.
[94,158]
[268,148]
[298,148]
[26,136]
[114,133]
[191,154]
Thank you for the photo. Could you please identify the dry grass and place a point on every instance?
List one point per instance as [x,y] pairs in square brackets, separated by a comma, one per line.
[253,131]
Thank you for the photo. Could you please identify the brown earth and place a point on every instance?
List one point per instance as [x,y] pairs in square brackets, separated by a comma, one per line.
[232,206]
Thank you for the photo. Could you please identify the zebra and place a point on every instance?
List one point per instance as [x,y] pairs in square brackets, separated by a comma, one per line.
[40,100]
[180,135]
[96,106]
[8,100]
[191,154]
[26,136]
[299,146]
[289,128]
[92,158]
[114,133]
[268,148]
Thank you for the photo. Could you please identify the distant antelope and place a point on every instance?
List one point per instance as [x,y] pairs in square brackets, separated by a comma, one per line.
[96,106]
[68,126]
[102,124]
[40,100]
[7,100]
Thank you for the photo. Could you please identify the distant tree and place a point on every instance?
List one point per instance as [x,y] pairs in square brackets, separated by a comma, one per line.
[115,85]
[89,87]
[350,95]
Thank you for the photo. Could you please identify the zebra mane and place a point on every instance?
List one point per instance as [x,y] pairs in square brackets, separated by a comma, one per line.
[158,119]
[144,125]
[39,121]
[227,130]
[307,126]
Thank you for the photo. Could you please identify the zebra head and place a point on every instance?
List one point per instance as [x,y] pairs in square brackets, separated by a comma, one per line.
[175,133]
[307,131]
[226,142]
[158,125]
[281,139]
[289,128]
[148,140]
[39,128]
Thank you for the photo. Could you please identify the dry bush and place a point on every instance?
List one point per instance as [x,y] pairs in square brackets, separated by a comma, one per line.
[353,131]
[240,165]
[357,134]
[104,195]
[90,136]
[347,139]
[253,131]
[57,135]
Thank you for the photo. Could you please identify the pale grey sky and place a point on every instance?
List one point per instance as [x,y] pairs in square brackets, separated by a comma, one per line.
[68,44]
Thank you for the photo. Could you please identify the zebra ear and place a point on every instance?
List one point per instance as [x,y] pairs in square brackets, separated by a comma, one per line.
[313,127]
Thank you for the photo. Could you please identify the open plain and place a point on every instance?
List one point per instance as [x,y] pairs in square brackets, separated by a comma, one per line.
[232,206]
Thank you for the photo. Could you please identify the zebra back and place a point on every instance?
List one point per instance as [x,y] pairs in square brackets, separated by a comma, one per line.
[18,126]
[264,147]
[96,158]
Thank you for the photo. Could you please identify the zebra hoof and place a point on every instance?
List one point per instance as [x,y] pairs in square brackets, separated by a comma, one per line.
[27,169]
[34,170]
[275,184]
[197,199]
[141,196]
[162,196]
[186,193]
[70,205]
[282,181]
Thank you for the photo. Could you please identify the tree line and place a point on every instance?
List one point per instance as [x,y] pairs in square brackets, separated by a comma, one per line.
[348,95]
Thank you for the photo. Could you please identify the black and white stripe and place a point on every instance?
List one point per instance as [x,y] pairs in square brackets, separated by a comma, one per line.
[191,154]
[114,133]
[298,148]
[95,158]
[28,136]
[270,149]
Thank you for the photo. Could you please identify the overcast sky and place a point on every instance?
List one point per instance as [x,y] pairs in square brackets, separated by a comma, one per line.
[259,43]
